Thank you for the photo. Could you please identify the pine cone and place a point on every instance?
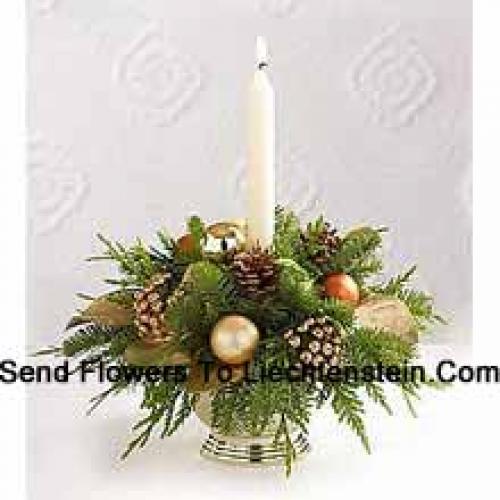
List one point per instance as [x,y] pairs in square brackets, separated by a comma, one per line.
[256,272]
[317,342]
[322,245]
[149,306]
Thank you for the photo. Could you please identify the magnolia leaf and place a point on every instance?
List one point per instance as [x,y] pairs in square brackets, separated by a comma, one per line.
[104,311]
[388,314]
[142,354]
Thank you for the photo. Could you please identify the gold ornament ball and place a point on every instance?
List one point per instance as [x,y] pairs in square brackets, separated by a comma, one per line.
[234,339]
[224,236]
[219,237]
[342,287]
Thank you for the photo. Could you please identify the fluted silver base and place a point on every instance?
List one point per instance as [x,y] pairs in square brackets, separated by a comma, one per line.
[251,450]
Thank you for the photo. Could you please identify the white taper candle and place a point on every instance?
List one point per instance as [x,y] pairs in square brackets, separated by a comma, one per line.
[261,153]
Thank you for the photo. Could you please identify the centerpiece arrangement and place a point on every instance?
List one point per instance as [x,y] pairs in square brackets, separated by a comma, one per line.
[252,324]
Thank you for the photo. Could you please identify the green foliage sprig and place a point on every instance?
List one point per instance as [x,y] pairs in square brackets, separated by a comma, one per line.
[419,303]
[203,291]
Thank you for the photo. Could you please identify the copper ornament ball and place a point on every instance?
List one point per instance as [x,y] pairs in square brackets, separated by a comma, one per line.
[342,287]
[234,339]
[186,243]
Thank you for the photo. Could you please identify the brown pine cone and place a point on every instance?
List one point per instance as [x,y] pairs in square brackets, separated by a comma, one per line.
[317,342]
[256,272]
[321,245]
[149,306]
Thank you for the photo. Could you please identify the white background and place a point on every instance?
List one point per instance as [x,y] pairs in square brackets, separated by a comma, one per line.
[452,448]
[136,119]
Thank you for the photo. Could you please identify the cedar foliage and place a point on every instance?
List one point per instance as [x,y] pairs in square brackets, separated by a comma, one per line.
[206,291]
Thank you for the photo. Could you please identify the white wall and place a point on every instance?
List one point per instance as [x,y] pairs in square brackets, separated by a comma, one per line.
[136,120]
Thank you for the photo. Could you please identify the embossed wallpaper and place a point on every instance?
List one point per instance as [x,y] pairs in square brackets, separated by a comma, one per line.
[136,114]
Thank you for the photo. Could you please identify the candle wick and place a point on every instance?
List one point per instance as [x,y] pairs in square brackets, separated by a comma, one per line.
[261,54]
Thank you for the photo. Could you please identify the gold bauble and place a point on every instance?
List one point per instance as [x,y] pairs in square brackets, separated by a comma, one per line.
[342,287]
[224,236]
[387,314]
[219,237]
[234,339]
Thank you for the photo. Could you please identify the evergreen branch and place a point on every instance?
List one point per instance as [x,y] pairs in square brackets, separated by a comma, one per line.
[367,347]
[183,411]
[135,263]
[282,435]
[48,351]
[349,409]
[167,405]
[376,393]
[287,234]
[408,393]
[97,400]
[420,304]
[86,339]
[357,254]
[206,292]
